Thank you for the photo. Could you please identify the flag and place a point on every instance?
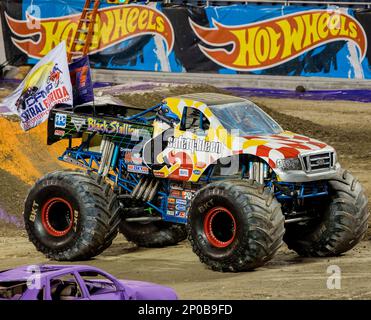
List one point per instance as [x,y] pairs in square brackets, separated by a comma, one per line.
[81,81]
[46,85]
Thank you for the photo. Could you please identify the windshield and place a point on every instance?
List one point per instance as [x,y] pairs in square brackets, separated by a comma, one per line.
[246,117]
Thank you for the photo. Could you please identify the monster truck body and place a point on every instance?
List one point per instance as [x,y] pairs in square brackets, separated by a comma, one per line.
[216,163]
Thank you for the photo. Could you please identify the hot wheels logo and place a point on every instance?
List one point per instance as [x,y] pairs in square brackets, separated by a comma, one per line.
[272,42]
[113,25]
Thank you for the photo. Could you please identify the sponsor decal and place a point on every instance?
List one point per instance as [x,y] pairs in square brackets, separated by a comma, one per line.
[78,123]
[138,169]
[176,187]
[265,44]
[180,214]
[114,127]
[206,206]
[60,133]
[158,174]
[176,193]
[171,200]
[60,120]
[114,25]
[180,207]
[194,145]
[183,172]
[170,213]
[38,102]
[188,195]
[131,157]
[197,172]
[34,211]
[181,201]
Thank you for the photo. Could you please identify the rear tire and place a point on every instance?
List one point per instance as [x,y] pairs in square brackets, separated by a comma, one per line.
[69,215]
[235,225]
[344,221]
[154,234]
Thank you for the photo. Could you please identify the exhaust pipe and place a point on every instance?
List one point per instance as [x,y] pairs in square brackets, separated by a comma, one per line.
[107,148]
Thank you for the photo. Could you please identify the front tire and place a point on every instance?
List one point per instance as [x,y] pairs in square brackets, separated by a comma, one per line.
[344,221]
[235,225]
[71,215]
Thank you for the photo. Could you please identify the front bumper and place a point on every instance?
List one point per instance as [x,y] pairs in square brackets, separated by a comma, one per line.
[302,176]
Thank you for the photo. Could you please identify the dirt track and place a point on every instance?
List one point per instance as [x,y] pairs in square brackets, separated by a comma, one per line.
[345,125]
[287,276]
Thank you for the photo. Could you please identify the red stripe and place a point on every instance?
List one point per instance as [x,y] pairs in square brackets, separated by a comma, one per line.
[289,152]
[263,151]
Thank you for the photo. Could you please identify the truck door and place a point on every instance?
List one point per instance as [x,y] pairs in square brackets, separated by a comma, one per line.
[183,146]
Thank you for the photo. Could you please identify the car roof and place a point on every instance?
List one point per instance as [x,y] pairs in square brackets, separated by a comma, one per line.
[211,99]
[23,273]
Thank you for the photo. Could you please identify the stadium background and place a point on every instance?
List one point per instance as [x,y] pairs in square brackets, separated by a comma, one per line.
[337,58]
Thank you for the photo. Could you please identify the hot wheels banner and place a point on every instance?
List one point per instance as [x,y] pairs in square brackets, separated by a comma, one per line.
[47,84]
[325,41]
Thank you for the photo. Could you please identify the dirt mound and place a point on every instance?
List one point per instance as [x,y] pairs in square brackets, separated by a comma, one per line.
[24,157]
[149,99]
[25,154]
[347,142]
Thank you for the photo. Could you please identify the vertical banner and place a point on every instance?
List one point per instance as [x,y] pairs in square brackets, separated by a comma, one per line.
[81,81]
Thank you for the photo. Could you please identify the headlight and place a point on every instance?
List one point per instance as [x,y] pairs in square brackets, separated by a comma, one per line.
[334,159]
[289,164]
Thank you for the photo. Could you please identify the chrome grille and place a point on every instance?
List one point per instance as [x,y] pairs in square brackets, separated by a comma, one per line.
[318,162]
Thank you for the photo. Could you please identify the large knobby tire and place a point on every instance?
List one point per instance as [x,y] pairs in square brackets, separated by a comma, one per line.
[343,221]
[235,225]
[71,215]
[154,234]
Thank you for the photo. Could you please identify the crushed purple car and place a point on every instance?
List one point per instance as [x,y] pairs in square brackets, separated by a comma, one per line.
[61,282]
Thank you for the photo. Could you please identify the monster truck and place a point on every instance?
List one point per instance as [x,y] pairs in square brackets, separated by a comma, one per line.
[210,166]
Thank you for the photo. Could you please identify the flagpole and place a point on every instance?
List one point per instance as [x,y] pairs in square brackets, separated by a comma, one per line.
[94,110]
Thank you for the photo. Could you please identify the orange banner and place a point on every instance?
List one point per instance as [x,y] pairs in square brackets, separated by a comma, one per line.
[114,25]
[268,43]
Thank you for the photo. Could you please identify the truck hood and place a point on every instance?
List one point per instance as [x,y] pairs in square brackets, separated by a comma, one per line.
[138,290]
[281,146]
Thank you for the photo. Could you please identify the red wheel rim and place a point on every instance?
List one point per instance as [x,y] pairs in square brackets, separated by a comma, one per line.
[220,227]
[57,211]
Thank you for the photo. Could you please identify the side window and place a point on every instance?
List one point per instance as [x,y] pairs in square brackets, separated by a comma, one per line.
[65,288]
[97,283]
[12,290]
[194,120]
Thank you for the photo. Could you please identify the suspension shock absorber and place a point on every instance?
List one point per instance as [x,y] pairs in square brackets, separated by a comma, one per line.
[142,189]
[151,190]
[258,171]
[137,187]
